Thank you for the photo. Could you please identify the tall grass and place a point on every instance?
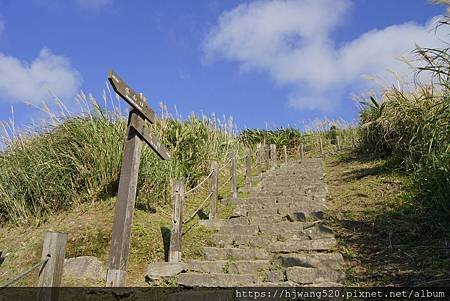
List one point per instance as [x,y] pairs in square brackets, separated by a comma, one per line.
[77,158]
[412,128]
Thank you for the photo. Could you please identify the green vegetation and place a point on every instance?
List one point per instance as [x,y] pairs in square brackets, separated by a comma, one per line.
[77,159]
[412,130]
[385,241]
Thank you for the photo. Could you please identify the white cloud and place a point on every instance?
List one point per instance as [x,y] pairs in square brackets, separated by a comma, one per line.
[93,4]
[48,73]
[292,40]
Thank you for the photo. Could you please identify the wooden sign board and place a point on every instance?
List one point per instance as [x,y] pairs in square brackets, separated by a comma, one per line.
[137,101]
[139,121]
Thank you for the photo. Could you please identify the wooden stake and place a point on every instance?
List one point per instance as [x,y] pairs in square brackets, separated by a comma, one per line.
[338,141]
[259,158]
[214,187]
[177,221]
[248,169]
[321,146]
[285,154]
[233,175]
[121,233]
[50,275]
[267,156]
[273,155]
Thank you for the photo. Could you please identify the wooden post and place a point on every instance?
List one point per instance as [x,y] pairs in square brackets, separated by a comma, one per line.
[338,143]
[214,187]
[267,156]
[301,152]
[285,154]
[273,155]
[177,221]
[233,175]
[248,169]
[259,158]
[50,275]
[321,146]
[121,232]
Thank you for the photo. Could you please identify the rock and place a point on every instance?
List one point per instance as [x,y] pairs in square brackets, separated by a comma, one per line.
[204,266]
[274,276]
[332,261]
[163,270]
[84,267]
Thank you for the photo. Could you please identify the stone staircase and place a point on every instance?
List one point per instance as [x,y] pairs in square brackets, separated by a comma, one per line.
[274,238]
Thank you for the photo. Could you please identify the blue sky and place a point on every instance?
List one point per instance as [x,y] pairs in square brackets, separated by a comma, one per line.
[263,62]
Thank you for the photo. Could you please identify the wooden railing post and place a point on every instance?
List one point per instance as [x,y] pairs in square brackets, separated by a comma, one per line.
[248,168]
[177,221]
[301,152]
[267,156]
[214,192]
[273,155]
[285,154]
[338,143]
[50,275]
[233,175]
[321,146]
[259,158]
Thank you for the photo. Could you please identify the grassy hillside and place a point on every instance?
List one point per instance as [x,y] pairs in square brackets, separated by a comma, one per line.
[383,236]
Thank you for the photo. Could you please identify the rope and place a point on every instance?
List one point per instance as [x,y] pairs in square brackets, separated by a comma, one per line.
[226,182]
[225,165]
[40,263]
[199,184]
[198,209]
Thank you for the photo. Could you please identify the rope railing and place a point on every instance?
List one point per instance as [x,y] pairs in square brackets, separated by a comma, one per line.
[39,265]
[266,159]
[225,165]
[226,182]
[199,184]
[198,209]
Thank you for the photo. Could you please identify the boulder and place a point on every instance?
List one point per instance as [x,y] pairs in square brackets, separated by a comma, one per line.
[84,267]
[164,270]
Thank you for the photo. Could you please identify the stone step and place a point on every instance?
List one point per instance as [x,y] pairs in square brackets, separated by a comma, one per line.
[274,284]
[252,241]
[230,267]
[206,266]
[283,227]
[303,275]
[282,207]
[239,229]
[333,261]
[214,253]
[296,245]
[262,212]
[215,280]
[270,202]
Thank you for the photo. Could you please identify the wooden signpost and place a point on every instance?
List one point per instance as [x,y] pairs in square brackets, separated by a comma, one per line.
[139,120]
